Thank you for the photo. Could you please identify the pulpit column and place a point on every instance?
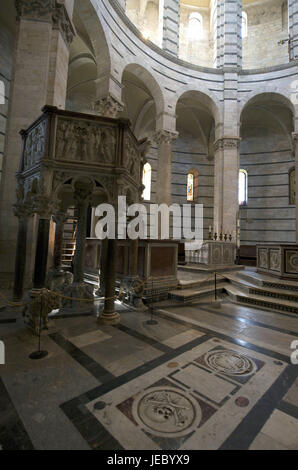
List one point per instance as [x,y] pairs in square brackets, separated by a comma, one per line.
[59,218]
[23,213]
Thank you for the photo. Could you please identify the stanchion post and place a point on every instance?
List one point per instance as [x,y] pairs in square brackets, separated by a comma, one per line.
[39,354]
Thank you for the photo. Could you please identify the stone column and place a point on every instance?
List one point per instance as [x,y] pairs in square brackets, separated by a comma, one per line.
[295,146]
[23,213]
[44,33]
[59,218]
[82,203]
[164,140]
[44,210]
[109,316]
[226,24]
[170,26]
[293,28]
[226,171]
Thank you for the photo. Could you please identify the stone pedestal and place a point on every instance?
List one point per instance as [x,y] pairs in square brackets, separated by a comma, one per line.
[278,260]
[217,253]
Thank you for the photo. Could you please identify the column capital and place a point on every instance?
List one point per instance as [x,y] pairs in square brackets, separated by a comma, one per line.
[227,143]
[108,107]
[44,206]
[23,210]
[83,193]
[60,217]
[165,137]
[52,11]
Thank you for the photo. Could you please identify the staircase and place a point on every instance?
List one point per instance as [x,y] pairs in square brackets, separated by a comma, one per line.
[263,291]
[69,238]
[245,287]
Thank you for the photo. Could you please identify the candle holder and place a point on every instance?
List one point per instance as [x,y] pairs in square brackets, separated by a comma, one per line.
[221,236]
[225,237]
[210,235]
[215,236]
[230,237]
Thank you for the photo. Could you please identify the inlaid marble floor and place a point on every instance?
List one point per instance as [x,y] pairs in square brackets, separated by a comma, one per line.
[203,378]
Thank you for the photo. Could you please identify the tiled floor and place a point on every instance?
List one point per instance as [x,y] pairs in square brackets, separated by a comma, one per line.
[203,378]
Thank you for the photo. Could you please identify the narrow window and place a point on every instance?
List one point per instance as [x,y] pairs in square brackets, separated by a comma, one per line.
[242,191]
[190,187]
[195,26]
[244,25]
[147,173]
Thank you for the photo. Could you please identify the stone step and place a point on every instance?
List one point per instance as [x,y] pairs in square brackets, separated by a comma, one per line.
[201,268]
[259,301]
[189,295]
[264,291]
[267,281]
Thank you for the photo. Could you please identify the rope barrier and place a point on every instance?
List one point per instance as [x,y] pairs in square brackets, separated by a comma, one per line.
[76,299]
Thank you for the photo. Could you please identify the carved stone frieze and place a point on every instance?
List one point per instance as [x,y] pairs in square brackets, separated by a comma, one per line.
[132,159]
[35,145]
[83,141]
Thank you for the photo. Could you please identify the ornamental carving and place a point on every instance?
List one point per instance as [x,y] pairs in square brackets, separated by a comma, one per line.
[274,260]
[292,262]
[227,143]
[262,258]
[81,141]
[230,362]
[47,10]
[132,162]
[166,412]
[35,145]
[165,137]
[108,107]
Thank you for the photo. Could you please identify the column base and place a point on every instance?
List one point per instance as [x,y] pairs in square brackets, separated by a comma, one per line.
[109,318]
[40,303]
[85,304]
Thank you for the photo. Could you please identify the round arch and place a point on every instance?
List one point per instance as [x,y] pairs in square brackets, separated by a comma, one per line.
[206,97]
[150,81]
[88,15]
[265,95]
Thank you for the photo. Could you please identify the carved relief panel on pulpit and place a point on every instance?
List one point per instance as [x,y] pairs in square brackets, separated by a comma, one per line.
[86,142]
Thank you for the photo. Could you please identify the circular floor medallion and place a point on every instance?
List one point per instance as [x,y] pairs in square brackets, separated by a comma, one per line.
[230,362]
[166,412]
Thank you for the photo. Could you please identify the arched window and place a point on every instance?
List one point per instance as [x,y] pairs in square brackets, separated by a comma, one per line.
[242,190]
[292,186]
[195,26]
[192,185]
[147,173]
[244,25]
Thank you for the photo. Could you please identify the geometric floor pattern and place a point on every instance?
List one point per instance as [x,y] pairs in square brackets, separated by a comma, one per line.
[203,378]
